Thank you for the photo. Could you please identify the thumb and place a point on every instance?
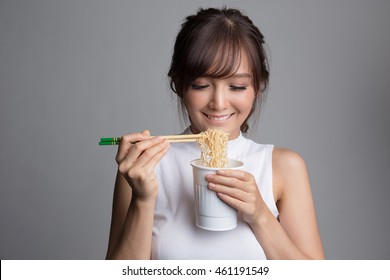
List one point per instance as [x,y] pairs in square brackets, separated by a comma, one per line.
[146,132]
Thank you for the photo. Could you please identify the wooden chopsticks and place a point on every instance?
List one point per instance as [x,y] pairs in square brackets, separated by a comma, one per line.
[171,138]
[182,137]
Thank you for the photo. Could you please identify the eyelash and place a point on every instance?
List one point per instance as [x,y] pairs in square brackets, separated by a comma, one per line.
[238,88]
[235,88]
[199,87]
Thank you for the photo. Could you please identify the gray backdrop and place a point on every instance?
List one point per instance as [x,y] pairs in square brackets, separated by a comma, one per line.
[74,71]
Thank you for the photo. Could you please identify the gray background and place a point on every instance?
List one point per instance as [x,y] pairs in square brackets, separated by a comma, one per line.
[74,71]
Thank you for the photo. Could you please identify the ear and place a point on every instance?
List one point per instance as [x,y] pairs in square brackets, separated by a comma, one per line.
[263,86]
[257,95]
[173,86]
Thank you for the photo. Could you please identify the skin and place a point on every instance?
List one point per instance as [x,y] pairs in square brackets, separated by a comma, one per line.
[220,103]
[225,104]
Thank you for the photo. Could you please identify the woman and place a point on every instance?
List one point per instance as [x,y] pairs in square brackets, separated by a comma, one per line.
[219,73]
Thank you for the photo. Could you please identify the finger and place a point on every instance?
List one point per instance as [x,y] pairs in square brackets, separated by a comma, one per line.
[225,181]
[141,171]
[126,142]
[232,178]
[146,132]
[232,192]
[151,165]
[139,148]
[150,153]
[233,202]
[239,174]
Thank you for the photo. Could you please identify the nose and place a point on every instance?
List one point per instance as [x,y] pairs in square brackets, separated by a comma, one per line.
[219,99]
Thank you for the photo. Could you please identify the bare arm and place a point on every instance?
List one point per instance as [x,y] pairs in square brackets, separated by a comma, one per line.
[131,224]
[296,236]
[134,197]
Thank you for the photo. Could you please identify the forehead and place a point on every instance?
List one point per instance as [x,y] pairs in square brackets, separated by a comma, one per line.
[227,64]
[243,66]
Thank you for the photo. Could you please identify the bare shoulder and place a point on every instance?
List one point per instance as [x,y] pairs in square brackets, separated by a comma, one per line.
[287,167]
[283,158]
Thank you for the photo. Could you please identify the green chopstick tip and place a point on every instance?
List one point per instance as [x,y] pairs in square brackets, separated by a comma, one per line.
[109,141]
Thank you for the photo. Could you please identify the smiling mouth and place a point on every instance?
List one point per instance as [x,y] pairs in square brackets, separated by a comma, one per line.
[218,118]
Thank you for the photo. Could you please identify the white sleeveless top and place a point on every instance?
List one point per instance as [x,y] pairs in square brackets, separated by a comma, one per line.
[175,235]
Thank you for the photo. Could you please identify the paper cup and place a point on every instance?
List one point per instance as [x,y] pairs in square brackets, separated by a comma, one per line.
[211,212]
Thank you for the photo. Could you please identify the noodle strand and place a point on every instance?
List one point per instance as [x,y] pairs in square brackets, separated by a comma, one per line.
[213,146]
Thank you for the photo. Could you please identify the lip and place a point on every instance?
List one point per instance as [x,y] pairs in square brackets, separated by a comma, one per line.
[219,118]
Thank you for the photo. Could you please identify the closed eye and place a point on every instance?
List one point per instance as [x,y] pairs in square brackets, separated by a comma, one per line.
[238,88]
[199,87]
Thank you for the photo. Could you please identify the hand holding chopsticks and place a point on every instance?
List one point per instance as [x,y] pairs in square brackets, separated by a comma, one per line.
[170,138]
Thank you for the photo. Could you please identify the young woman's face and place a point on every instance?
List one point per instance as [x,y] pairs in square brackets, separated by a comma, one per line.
[221,103]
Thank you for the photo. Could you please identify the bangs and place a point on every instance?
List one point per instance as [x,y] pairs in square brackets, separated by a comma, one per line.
[216,54]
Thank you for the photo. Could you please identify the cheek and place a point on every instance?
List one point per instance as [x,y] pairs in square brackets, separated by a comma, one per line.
[245,102]
[194,101]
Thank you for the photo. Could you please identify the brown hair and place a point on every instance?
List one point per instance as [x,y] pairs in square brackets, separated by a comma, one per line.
[210,43]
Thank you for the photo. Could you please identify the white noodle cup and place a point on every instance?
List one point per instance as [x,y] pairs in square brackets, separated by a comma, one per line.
[211,212]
